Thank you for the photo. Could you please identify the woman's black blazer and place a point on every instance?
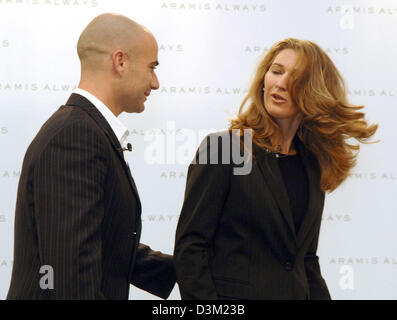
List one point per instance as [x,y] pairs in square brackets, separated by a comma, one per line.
[236,237]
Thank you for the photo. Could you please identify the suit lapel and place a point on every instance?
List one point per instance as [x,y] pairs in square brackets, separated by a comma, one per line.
[270,169]
[315,193]
[272,176]
[81,102]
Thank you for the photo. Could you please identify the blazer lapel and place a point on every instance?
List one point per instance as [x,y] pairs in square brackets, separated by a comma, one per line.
[315,194]
[270,169]
[268,165]
[81,102]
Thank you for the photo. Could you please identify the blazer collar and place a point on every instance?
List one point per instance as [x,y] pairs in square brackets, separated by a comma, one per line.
[270,170]
[114,122]
[84,104]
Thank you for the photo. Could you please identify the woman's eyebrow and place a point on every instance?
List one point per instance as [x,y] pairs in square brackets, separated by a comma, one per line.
[278,64]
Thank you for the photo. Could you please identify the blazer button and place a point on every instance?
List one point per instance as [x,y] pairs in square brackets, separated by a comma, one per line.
[288,266]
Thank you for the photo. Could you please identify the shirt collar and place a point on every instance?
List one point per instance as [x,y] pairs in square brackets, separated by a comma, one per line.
[118,128]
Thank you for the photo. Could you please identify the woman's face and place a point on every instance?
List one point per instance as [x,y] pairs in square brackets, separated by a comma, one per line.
[278,102]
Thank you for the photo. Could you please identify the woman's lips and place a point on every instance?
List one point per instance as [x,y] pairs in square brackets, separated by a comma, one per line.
[278,99]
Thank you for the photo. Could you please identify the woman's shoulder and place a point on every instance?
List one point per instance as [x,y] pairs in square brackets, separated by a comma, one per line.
[226,142]
[213,145]
[226,147]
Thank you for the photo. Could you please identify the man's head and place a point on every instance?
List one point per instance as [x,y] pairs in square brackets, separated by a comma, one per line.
[118,57]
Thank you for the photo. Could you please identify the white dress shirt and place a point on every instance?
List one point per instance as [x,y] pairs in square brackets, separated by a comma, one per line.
[118,128]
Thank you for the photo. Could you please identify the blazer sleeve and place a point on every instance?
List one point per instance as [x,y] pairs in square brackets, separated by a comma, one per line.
[153,272]
[206,191]
[68,183]
[318,287]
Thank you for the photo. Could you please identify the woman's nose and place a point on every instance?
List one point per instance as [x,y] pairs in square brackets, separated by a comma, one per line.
[282,83]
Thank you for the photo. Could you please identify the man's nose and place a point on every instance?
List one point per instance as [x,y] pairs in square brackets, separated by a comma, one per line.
[155,82]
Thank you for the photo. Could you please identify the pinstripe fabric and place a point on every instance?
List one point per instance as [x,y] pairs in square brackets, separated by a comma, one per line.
[236,238]
[78,211]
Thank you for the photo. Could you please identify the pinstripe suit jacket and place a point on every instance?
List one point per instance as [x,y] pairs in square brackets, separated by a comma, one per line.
[236,236]
[78,211]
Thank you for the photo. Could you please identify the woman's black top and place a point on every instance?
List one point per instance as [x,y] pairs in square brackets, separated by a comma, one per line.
[296,183]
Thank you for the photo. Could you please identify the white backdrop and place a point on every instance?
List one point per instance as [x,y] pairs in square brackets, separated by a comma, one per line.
[208,54]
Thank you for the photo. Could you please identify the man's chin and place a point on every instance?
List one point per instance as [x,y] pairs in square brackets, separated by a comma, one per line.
[137,109]
[141,109]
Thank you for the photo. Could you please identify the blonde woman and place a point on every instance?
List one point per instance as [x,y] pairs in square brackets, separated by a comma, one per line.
[255,236]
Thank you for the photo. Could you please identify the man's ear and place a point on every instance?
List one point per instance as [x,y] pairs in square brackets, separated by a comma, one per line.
[119,61]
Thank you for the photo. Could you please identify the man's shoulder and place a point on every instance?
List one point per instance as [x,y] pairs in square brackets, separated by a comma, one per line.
[67,117]
[67,124]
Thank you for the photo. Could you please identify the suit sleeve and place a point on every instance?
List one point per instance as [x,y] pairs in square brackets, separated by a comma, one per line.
[153,272]
[69,178]
[318,287]
[206,191]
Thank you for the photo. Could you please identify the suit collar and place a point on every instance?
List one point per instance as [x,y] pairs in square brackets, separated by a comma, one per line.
[117,126]
[268,165]
[84,104]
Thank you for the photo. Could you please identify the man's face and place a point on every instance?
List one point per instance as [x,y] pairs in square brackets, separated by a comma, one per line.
[140,77]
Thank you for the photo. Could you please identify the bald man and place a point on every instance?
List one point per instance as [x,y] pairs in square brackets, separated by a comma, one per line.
[78,213]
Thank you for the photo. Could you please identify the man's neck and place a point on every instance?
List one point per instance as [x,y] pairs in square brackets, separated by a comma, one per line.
[101,94]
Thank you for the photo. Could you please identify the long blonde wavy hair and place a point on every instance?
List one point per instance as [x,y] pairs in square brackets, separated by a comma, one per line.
[318,90]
